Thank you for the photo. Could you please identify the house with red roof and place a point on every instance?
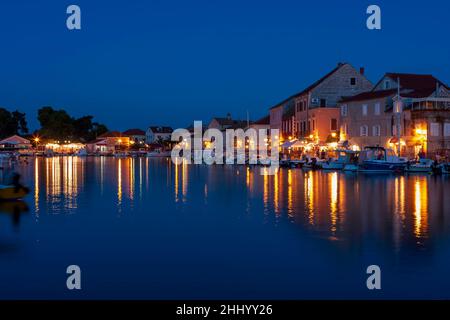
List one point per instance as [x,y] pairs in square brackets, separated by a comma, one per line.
[137,136]
[422,121]
[15,142]
[109,143]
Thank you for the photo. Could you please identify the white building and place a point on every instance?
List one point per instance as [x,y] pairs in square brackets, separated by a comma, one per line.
[155,134]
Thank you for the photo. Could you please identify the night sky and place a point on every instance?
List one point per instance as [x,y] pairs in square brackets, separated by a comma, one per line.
[141,63]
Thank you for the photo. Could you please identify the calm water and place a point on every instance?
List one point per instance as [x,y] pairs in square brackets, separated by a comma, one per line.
[144,228]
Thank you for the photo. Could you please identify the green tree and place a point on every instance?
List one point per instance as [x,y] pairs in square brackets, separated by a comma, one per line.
[59,125]
[12,123]
[20,122]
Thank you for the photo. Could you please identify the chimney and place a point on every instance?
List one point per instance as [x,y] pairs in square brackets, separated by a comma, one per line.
[229,116]
[362,70]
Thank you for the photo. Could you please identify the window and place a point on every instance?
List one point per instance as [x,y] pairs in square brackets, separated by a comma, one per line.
[297,106]
[333,124]
[364,109]
[314,124]
[387,84]
[353,81]
[434,129]
[363,131]
[377,109]
[447,130]
[344,110]
[323,103]
[376,130]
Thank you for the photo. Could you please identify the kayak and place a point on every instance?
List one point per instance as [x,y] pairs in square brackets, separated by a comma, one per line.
[12,192]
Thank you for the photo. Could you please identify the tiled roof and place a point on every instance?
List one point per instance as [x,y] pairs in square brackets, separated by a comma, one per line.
[111,134]
[312,86]
[15,140]
[370,95]
[134,132]
[264,120]
[415,85]
[156,129]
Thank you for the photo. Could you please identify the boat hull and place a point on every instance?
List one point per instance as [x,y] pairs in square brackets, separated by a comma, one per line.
[12,193]
[381,166]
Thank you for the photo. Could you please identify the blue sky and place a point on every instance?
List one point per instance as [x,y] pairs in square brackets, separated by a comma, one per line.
[168,62]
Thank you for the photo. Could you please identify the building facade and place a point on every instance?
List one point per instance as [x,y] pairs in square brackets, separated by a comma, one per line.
[316,107]
[157,134]
[313,113]
[137,136]
[417,121]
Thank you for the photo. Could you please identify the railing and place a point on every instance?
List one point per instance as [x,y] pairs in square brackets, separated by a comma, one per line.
[428,104]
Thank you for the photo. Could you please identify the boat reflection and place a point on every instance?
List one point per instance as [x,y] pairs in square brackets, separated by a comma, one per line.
[15,209]
[336,206]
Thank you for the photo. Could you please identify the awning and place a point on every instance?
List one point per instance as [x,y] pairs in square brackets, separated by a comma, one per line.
[297,144]
[287,144]
[393,140]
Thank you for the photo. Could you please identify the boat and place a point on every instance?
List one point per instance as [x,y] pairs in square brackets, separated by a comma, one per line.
[313,164]
[423,166]
[344,157]
[445,168]
[351,167]
[380,160]
[81,153]
[120,155]
[158,154]
[10,192]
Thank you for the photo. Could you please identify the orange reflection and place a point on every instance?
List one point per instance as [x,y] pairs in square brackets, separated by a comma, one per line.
[276,190]
[36,186]
[265,189]
[421,208]
[290,193]
[119,182]
[333,185]
[309,196]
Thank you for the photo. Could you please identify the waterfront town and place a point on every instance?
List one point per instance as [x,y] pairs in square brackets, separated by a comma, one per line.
[342,121]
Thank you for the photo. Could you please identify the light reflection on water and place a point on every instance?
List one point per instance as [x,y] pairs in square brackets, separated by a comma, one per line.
[134,203]
[334,204]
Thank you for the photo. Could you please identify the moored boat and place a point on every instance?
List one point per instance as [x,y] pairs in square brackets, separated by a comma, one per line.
[11,192]
[423,166]
[445,168]
[158,154]
[380,160]
[344,157]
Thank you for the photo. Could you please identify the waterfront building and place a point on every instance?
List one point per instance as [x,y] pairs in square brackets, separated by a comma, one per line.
[109,143]
[227,123]
[157,134]
[137,136]
[15,143]
[422,121]
[313,112]
[262,123]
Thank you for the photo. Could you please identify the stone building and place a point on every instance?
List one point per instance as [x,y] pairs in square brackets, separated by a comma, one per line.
[313,112]
[422,122]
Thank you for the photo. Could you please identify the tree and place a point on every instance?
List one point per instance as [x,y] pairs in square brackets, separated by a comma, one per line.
[55,124]
[59,125]
[20,122]
[12,123]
